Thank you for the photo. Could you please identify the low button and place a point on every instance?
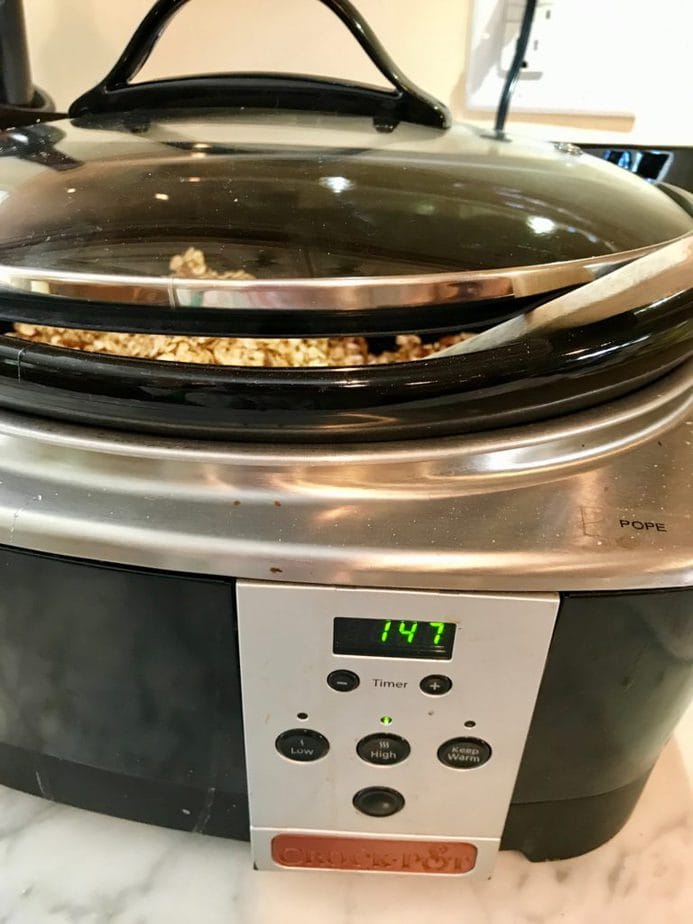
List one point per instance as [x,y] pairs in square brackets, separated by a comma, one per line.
[343,681]
[302,744]
[464,753]
[383,749]
[436,684]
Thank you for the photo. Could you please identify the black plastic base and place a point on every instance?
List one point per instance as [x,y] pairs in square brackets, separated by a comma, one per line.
[137,673]
[569,827]
[154,802]
[540,830]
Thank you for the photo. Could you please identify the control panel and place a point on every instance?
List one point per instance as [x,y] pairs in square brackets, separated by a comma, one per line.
[384,728]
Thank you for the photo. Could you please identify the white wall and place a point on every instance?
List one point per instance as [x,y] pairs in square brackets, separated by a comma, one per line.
[74,43]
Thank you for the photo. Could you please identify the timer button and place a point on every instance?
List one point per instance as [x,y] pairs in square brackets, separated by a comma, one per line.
[464,753]
[379,801]
[436,684]
[343,681]
[302,744]
[383,749]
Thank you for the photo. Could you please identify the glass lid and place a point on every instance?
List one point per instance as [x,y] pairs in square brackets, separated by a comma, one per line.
[339,206]
[270,210]
[302,253]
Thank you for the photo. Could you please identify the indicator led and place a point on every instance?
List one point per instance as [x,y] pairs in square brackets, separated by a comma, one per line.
[386,720]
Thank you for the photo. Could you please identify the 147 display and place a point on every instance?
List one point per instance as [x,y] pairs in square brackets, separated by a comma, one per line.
[393,638]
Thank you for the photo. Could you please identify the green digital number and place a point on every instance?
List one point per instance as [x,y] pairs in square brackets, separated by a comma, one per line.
[408,633]
[386,631]
[438,628]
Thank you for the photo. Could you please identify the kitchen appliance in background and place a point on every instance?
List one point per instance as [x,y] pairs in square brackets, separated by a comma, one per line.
[384,618]
[672,165]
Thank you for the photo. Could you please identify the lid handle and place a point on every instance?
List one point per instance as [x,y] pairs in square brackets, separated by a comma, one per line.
[406,102]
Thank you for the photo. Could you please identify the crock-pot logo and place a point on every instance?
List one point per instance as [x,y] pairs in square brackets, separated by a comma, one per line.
[373,854]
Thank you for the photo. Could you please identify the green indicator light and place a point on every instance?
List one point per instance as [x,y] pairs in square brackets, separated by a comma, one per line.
[386,720]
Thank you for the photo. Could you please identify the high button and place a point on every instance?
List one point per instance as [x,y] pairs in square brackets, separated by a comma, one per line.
[383,749]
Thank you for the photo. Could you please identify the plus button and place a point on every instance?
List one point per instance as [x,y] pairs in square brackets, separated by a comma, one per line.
[436,685]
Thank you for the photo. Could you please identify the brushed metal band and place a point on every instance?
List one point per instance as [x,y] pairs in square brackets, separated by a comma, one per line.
[545,507]
[347,294]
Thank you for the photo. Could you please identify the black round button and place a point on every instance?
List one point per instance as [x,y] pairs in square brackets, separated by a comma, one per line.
[302,744]
[436,684]
[343,681]
[464,753]
[383,749]
[379,801]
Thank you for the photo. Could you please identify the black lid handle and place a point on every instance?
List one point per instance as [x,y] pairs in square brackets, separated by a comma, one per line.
[406,102]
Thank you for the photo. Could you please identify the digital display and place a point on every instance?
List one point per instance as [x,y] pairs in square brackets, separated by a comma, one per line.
[393,638]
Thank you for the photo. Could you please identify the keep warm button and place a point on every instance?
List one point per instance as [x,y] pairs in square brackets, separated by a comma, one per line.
[464,753]
[302,744]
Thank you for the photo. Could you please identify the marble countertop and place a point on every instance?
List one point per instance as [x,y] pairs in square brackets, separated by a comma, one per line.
[60,865]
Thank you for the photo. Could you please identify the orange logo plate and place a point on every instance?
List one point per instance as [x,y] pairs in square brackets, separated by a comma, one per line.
[308,851]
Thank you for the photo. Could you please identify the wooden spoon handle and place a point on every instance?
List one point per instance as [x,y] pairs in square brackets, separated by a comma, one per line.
[643,282]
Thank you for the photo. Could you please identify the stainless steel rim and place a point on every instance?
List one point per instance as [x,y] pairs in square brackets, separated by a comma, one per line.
[531,508]
[330,293]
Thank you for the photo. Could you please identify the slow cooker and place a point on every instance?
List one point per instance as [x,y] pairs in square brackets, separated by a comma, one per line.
[386,617]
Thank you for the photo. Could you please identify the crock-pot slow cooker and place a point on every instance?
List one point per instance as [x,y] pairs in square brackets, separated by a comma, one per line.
[386,617]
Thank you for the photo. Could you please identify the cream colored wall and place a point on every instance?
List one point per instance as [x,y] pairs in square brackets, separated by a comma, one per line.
[74,42]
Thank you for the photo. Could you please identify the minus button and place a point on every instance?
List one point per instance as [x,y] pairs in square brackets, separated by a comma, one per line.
[343,681]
